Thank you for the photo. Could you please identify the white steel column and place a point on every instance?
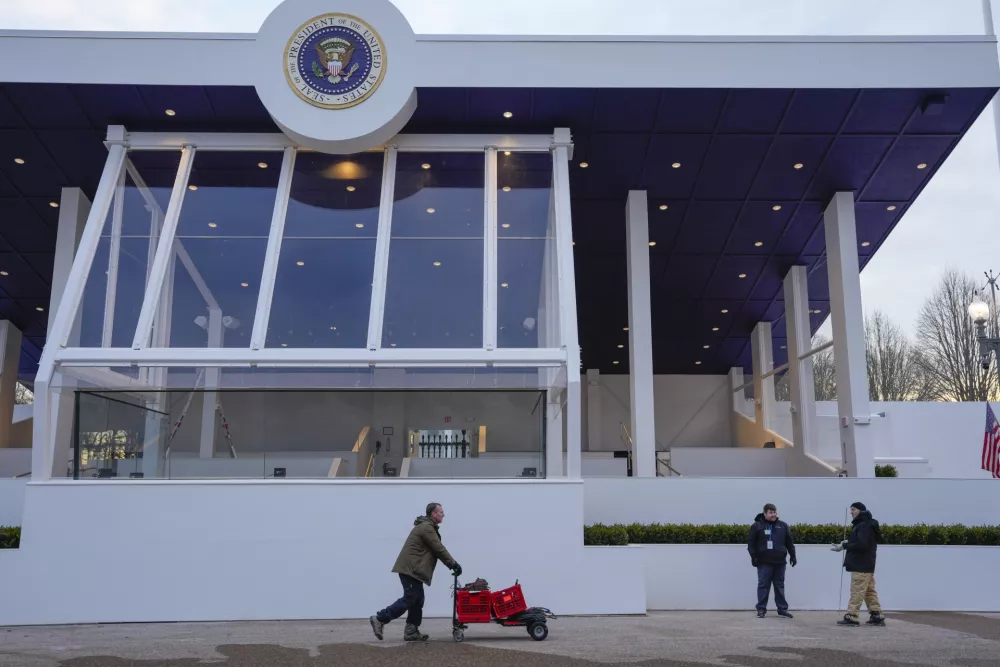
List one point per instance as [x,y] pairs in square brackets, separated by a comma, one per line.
[376,311]
[553,433]
[595,437]
[210,398]
[490,252]
[568,331]
[853,407]
[640,333]
[800,371]
[763,361]
[10,356]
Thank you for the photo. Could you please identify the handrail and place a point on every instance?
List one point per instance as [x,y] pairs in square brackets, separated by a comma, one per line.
[362,436]
[669,468]
[782,367]
[23,474]
[370,470]
[627,441]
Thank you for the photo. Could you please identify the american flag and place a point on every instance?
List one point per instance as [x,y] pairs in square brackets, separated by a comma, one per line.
[991,444]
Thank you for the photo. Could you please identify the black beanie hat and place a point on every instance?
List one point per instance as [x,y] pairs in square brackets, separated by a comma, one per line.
[860,506]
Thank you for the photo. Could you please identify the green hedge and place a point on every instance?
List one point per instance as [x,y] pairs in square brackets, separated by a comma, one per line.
[600,535]
[10,537]
[886,471]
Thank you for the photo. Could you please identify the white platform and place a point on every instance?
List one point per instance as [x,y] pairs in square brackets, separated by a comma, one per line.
[291,549]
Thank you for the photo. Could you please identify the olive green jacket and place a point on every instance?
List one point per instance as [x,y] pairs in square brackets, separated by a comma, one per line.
[421,552]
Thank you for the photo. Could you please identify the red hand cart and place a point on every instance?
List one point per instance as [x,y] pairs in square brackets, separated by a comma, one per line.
[506,607]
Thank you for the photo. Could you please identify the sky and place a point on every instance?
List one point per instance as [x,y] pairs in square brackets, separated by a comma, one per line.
[951,225]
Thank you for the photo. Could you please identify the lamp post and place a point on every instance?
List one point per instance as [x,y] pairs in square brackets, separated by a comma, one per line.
[979,311]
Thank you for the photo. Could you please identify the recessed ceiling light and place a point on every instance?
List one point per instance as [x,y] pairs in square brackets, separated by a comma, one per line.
[170,112]
[783,347]
[437,263]
[663,207]
[4,273]
[704,347]
[624,328]
[652,243]
[506,188]
[350,188]
[333,328]
[584,165]
[300,263]
[506,152]
[425,165]
[758,244]
[284,345]
[192,188]
[508,114]
[504,285]
[392,345]
[743,275]
[212,225]
[776,207]
[715,328]
[506,225]
[724,311]
[922,165]
[865,244]
[359,225]
[430,210]
[798,165]
[54,204]
[574,242]
[676,165]
[19,160]
[891,207]
[615,362]
[697,363]
[39,309]
[244,284]
[262,165]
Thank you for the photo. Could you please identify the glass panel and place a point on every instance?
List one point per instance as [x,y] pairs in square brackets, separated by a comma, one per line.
[117,437]
[223,229]
[323,288]
[434,287]
[527,308]
[142,208]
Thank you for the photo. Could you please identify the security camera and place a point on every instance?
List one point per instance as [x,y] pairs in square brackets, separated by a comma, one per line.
[230,322]
[985,360]
[201,321]
[528,324]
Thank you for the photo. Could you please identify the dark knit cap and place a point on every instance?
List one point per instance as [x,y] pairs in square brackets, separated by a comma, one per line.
[860,506]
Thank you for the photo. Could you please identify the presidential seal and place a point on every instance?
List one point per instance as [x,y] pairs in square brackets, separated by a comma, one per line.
[335,61]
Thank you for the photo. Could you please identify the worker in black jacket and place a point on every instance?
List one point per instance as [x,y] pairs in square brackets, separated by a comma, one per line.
[861,547]
[770,542]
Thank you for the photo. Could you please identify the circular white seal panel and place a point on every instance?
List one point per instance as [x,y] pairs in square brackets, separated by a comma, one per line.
[336,78]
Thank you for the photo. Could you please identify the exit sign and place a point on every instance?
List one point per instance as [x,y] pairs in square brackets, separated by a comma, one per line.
[447,420]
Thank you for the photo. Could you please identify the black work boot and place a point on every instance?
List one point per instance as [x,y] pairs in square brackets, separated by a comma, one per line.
[876,619]
[377,626]
[412,634]
[784,613]
[761,613]
[849,621]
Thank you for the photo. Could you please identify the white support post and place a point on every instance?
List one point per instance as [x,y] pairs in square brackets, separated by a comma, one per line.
[553,433]
[490,252]
[640,333]
[595,437]
[114,253]
[264,298]
[763,361]
[210,398]
[376,311]
[567,300]
[736,380]
[164,251]
[10,356]
[853,406]
[800,371]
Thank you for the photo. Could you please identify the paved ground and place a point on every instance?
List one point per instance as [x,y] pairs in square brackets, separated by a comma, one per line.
[675,639]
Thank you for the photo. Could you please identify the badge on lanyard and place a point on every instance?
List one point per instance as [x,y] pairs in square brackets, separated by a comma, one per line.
[770,544]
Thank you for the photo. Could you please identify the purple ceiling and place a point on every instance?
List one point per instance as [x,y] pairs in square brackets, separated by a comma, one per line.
[736,150]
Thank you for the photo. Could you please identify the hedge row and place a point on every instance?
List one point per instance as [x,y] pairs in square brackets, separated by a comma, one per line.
[600,535]
[10,537]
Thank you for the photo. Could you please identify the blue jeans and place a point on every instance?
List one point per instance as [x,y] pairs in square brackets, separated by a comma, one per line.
[412,603]
[766,576]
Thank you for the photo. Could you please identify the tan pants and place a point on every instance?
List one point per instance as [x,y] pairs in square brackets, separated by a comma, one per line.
[863,589]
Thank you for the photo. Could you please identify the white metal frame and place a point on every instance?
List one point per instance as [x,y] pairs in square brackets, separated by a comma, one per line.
[149,345]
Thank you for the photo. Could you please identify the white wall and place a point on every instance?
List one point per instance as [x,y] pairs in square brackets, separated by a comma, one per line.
[691,411]
[12,500]
[510,465]
[297,549]
[799,500]
[296,464]
[728,582]
[14,461]
[730,461]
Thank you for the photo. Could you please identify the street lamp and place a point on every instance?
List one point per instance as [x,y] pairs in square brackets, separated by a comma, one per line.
[979,311]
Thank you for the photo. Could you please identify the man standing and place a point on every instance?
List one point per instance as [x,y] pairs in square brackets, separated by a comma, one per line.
[770,542]
[861,547]
[415,567]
